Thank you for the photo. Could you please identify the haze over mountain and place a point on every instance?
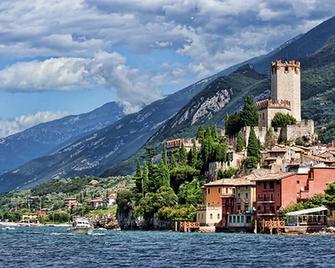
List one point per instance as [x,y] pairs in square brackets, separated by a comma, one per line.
[48,137]
[177,114]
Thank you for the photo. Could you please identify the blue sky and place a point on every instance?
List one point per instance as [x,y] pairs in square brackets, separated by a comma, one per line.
[68,57]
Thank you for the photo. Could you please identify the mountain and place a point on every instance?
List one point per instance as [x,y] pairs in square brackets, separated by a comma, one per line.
[225,95]
[48,137]
[112,150]
[96,152]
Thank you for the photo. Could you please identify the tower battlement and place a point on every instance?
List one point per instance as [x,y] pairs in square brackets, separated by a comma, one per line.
[286,85]
[263,104]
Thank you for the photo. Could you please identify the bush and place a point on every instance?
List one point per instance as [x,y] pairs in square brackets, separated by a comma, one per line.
[228,173]
[251,162]
[282,120]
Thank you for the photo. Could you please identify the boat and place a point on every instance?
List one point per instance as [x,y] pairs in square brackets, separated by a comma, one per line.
[81,225]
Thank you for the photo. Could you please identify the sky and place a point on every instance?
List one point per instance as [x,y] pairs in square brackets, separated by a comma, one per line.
[60,57]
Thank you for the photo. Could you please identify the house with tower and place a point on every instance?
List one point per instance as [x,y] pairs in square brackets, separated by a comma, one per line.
[285,99]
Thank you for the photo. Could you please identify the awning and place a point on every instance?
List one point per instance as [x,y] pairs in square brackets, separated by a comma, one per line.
[306,211]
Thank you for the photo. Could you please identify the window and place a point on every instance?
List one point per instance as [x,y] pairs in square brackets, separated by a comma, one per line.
[218,216]
[286,68]
[211,216]
[208,190]
[246,195]
[298,182]
[219,190]
[264,184]
[238,219]
[272,185]
[234,219]
[226,190]
[265,197]
[259,197]
[272,198]
[239,195]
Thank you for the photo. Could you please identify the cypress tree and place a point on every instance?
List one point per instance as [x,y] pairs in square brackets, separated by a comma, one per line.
[201,134]
[249,113]
[254,148]
[240,142]
[214,132]
[145,178]
[138,178]
[182,155]
[164,155]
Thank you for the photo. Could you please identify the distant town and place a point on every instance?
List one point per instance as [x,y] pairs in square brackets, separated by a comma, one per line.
[264,172]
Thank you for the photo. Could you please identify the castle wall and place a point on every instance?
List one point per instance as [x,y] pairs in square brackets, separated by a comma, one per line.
[266,115]
[300,129]
[285,84]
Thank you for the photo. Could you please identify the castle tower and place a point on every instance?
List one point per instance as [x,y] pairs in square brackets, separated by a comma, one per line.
[285,84]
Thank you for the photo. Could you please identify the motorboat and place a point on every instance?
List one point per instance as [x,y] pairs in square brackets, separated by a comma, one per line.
[81,225]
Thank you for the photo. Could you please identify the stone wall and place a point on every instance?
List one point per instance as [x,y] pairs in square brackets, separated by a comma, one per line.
[301,129]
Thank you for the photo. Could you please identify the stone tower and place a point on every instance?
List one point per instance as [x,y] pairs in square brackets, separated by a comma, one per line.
[285,84]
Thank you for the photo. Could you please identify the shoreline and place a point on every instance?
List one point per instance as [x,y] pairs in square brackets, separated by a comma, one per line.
[21,224]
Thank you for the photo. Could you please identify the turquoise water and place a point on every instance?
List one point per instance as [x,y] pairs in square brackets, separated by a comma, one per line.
[55,247]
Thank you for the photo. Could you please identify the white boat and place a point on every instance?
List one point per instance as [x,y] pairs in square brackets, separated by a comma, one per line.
[81,225]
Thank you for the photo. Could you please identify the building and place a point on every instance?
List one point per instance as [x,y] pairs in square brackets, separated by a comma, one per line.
[224,197]
[111,199]
[276,191]
[285,93]
[29,217]
[96,203]
[71,203]
[175,144]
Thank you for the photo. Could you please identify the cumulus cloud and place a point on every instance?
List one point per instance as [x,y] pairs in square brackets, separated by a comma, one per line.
[133,88]
[209,35]
[20,123]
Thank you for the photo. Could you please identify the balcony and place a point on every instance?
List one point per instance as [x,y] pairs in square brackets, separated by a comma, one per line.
[264,200]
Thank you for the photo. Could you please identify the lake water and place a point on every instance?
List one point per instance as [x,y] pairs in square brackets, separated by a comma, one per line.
[55,247]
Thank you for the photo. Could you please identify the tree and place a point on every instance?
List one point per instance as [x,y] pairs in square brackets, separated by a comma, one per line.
[282,120]
[190,193]
[164,155]
[330,195]
[228,173]
[182,155]
[270,138]
[254,147]
[150,154]
[240,142]
[201,134]
[249,113]
[213,132]
[145,178]
[138,178]
[233,124]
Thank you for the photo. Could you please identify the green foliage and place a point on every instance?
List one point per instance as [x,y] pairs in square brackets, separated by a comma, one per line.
[124,200]
[152,202]
[228,173]
[158,177]
[233,124]
[182,174]
[164,155]
[240,142]
[330,195]
[71,185]
[248,116]
[177,214]
[250,162]
[190,193]
[270,138]
[249,113]
[182,155]
[254,146]
[59,216]
[282,120]
[201,134]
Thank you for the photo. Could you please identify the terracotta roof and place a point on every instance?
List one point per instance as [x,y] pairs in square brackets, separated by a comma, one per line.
[231,182]
[275,176]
